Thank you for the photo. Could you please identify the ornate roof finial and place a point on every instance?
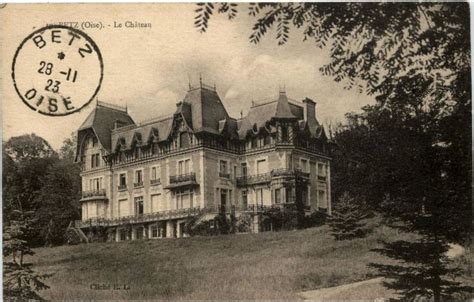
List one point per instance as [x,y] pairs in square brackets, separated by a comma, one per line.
[126,107]
[241,114]
[200,80]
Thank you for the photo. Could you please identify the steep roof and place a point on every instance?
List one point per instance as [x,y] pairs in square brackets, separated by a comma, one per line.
[297,111]
[159,128]
[260,114]
[206,110]
[283,108]
[102,120]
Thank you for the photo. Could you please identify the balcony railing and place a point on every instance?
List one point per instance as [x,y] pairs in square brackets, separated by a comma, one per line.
[251,208]
[93,193]
[224,175]
[122,187]
[282,172]
[135,219]
[138,184]
[182,178]
[267,177]
[254,179]
[156,181]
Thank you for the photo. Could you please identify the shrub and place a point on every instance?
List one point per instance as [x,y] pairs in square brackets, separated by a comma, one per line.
[244,223]
[317,218]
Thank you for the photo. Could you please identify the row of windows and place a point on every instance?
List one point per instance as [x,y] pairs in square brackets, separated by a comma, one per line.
[183,199]
[281,195]
[157,231]
[184,167]
[96,183]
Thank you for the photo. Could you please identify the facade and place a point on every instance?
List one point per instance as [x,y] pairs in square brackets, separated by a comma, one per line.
[146,180]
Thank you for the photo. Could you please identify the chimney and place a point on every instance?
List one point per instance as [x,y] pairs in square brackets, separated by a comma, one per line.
[309,110]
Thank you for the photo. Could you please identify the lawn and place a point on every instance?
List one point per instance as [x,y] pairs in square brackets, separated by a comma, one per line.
[272,265]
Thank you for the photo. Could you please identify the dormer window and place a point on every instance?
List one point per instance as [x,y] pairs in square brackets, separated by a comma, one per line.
[284,133]
[95,160]
[154,148]
[184,140]
[254,142]
[267,140]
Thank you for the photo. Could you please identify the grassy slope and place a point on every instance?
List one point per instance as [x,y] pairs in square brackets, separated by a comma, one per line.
[250,266]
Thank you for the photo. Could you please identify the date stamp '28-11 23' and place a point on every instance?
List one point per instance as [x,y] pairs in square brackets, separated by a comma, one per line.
[57,70]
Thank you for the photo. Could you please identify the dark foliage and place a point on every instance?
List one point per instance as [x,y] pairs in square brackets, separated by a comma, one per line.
[348,219]
[20,281]
[422,270]
[46,183]
[408,155]
[282,219]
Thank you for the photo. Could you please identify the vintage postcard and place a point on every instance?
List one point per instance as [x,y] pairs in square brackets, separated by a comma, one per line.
[236,151]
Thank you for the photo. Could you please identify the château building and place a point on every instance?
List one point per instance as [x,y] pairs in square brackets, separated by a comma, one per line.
[146,180]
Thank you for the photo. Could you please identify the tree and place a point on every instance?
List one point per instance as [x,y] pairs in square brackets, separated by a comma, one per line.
[20,281]
[28,146]
[60,196]
[25,160]
[68,148]
[415,58]
[348,219]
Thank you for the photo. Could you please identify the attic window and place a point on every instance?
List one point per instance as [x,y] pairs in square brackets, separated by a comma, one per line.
[254,142]
[266,140]
[94,141]
[284,133]
[184,140]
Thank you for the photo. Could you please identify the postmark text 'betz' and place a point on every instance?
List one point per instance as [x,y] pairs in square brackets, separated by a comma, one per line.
[57,70]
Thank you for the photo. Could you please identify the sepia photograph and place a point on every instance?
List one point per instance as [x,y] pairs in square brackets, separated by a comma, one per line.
[236,151]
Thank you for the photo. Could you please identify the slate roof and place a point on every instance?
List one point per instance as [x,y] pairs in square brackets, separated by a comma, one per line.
[158,129]
[260,114]
[297,111]
[101,121]
[203,111]
[206,103]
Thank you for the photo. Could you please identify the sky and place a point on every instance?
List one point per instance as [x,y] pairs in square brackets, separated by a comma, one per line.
[149,69]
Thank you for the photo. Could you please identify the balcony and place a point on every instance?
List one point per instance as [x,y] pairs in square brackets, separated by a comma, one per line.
[183,180]
[254,179]
[155,182]
[283,172]
[144,218]
[94,194]
[251,208]
[267,177]
[224,175]
[138,184]
[322,177]
[122,187]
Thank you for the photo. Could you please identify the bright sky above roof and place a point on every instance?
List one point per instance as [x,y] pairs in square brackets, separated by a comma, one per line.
[149,69]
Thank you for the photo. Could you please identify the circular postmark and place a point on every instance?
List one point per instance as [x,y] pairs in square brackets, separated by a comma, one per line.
[57,70]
